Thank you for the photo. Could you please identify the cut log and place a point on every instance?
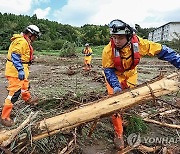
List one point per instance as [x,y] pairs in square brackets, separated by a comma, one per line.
[103,107]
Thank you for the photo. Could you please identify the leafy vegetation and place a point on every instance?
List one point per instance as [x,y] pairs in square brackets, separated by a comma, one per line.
[68,50]
[143,32]
[175,43]
[135,125]
[54,34]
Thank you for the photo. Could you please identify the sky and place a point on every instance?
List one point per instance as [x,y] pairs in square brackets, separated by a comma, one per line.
[153,13]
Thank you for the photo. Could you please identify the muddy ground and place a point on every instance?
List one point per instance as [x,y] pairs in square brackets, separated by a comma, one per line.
[61,84]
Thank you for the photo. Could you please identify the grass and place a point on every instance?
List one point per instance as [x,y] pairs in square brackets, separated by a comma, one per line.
[3,51]
[47,52]
[97,51]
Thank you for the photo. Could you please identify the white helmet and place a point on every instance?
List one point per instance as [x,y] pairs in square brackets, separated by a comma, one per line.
[87,44]
[33,29]
[133,26]
[119,27]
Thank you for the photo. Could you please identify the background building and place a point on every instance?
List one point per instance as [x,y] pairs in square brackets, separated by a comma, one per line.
[165,32]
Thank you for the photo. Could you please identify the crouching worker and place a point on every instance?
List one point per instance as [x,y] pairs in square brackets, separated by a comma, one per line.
[20,55]
[87,51]
[120,59]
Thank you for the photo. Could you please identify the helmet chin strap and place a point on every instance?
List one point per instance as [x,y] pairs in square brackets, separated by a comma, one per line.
[122,46]
[128,40]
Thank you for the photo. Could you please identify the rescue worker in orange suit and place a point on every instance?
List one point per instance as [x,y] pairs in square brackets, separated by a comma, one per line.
[20,55]
[120,59]
[87,51]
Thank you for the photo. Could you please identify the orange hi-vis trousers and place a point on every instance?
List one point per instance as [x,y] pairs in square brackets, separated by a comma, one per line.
[116,118]
[15,88]
[87,65]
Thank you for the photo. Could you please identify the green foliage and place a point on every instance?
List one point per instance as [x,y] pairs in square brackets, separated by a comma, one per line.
[48,104]
[3,51]
[58,44]
[135,125]
[68,50]
[48,52]
[42,45]
[175,43]
[55,34]
[143,32]
[97,50]
[94,34]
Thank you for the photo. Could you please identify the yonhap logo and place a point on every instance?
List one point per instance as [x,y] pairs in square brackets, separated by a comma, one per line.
[134,139]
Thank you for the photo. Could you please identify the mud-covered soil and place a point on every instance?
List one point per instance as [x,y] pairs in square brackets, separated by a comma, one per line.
[61,84]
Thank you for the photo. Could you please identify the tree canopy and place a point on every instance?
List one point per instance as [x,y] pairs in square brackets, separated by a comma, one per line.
[55,34]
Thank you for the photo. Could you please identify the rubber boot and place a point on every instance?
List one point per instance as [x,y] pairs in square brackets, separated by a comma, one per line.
[5,116]
[118,128]
[85,68]
[32,101]
[88,67]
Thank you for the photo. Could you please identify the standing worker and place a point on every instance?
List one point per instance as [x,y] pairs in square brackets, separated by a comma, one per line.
[120,59]
[87,51]
[20,56]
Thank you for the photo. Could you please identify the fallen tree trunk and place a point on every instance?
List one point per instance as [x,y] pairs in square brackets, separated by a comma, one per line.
[103,107]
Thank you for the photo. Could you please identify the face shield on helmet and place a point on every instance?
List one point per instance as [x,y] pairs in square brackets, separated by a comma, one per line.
[34,30]
[119,27]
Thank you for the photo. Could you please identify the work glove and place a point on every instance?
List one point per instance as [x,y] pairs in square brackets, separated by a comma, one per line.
[21,75]
[16,59]
[116,90]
